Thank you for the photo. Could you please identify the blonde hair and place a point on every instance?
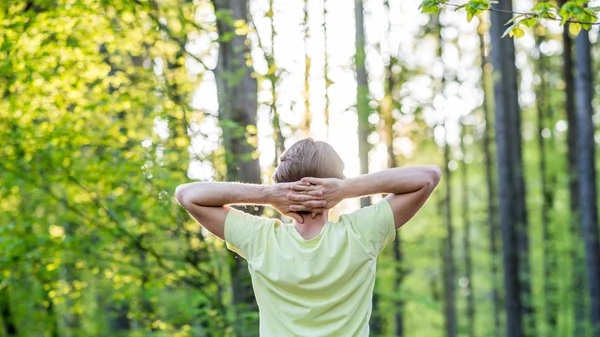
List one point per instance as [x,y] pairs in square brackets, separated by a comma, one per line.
[309,158]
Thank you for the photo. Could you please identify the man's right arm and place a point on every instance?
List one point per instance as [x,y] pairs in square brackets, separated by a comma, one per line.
[408,189]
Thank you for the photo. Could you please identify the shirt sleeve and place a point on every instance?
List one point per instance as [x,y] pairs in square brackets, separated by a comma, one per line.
[246,234]
[374,226]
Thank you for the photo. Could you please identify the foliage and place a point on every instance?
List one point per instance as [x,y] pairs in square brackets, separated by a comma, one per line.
[574,13]
[98,128]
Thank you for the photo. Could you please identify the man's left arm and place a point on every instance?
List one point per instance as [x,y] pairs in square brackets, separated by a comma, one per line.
[207,201]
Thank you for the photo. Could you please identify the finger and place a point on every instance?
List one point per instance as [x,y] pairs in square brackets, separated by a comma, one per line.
[301,197]
[301,187]
[315,193]
[314,204]
[298,208]
[314,181]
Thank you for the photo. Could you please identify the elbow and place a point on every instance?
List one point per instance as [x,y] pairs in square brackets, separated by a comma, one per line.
[180,194]
[434,174]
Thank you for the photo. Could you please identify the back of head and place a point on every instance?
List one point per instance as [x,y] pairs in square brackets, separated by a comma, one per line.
[309,158]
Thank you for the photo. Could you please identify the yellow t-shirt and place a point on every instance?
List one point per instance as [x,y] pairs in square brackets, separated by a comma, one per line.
[318,287]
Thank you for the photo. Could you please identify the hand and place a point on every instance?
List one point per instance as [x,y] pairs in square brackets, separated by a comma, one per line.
[328,189]
[280,199]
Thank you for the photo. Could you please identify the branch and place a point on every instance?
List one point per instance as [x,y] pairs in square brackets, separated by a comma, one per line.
[576,14]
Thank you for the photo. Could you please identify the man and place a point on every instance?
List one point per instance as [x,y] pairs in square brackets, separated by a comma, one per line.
[313,277]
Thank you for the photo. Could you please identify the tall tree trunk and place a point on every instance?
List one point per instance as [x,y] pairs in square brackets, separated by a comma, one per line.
[362,109]
[449,276]
[577,240]
[274,79]
[326,69]
[237,115]
[307,116]
[491,191]
[513,216]
[587,174]
[451,325]
[467,242]
[8,319]
[387,105]
[362,100]
[546,183]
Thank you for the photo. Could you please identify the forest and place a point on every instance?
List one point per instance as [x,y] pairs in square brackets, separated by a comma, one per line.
[108,105]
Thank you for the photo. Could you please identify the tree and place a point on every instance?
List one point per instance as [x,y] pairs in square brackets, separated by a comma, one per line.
[467,237]
[513,216]
[307,114]
[547,184]
[237,118]
[362,100]
[449,267]
[487,106]
[587,174]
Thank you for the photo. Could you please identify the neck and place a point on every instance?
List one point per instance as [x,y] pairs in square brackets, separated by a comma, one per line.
[311,227]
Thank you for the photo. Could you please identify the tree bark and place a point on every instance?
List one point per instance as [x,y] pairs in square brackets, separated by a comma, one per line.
[577,240]
[362,110]
[513,217]
[237,118]
[449,276]
[587,174]
[273,77]
[547,184]
[307,116]
[448,269]
[491,190]
[467,242]
[326,69]
[362,100]
[386,107]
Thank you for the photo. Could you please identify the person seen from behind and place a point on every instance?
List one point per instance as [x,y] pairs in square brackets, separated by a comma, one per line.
[313,277]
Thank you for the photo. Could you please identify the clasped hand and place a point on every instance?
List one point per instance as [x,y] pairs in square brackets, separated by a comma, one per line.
[314,195]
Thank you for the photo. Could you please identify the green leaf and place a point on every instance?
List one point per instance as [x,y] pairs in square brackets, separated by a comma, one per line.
[516,32]
[529,22]
[574,28]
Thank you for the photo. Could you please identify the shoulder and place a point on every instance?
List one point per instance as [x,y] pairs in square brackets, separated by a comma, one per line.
[241,221]
[381,208]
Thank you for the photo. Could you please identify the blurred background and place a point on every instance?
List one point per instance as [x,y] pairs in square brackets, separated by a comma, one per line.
[106,106]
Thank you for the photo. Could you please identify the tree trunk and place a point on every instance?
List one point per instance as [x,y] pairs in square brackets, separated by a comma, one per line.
[237,116]
[449,277]
[491,191]
[546,183]
[587,174]
[274,79]
[448,253]
[8,318]
[307,116]
[577,240]
[467,243]
[326,69]
[362,109]
[386,107]
[362,100]
[513,215]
